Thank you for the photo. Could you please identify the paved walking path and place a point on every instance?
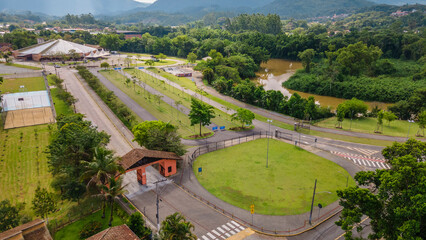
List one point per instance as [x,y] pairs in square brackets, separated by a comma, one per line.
[290,120]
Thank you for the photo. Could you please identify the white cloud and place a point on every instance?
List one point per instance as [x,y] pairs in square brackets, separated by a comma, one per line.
[146,1]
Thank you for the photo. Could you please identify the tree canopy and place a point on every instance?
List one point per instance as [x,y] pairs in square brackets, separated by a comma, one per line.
[394,199]
[200,113]
[158,135]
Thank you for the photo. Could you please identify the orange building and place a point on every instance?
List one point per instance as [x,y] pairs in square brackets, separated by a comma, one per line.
[139,159]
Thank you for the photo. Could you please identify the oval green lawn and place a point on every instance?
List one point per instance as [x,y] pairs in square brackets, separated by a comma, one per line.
[238,175]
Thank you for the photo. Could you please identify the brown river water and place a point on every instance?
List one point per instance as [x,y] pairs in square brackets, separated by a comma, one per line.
[276,71]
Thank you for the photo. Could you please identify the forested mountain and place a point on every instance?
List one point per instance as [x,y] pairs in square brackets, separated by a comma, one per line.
[216,5]
[312,8]
[63,7]
[399,2]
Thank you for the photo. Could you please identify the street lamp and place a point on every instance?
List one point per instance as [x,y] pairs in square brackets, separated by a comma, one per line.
[409,121]
[267,151]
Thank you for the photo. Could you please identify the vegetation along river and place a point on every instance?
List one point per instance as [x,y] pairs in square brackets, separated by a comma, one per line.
[276,71]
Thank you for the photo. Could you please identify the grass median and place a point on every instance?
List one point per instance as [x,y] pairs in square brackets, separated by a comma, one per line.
[159,109]
[238,175]
[221,119]
[397,128]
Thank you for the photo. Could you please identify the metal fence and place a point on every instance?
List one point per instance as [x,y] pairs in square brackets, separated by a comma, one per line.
[297,138]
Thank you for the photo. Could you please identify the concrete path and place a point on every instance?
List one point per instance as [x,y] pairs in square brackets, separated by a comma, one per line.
[129,102]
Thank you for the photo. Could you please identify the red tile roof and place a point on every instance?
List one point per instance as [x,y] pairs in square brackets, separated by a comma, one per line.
[136,155]
[122,232]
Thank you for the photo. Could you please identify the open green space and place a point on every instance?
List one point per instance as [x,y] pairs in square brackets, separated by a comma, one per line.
[159,109]
[159,63]
[72,231]
[23,66]
[30,84]
[238,175]
[397,128]
[23,163]
[61,107]
[221,119]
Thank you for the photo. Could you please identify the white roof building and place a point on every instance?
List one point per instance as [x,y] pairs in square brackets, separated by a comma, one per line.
[53,48]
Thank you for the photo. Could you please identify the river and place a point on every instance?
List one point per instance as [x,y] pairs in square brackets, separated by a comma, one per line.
[276,71]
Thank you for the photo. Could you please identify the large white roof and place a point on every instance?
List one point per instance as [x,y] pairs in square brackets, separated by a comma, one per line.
[56,47]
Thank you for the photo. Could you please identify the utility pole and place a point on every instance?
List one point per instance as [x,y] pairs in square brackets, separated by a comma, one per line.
[158,203]
[312,204]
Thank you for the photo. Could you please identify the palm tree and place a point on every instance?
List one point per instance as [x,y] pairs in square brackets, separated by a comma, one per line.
[112,191]
[98,171]
[175,227]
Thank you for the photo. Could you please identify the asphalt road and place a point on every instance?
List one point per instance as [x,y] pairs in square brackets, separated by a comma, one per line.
[205,219]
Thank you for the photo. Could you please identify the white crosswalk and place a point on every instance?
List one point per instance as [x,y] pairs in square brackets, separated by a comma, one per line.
[364,160]
[223,232]
[367,152]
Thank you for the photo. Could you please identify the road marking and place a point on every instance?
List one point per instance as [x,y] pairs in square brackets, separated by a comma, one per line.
[227,235]
[242,228]
[215,232]
[226,228]
[230,225]
[236,224]
[211,236]
[205,238]
[220,229]
[232,232]
[343,234]
[364,160]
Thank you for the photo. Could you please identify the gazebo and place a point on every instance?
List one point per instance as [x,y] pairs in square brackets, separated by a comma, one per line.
[138,159]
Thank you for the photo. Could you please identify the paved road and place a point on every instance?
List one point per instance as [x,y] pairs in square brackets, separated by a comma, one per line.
[207,220]
[90,108]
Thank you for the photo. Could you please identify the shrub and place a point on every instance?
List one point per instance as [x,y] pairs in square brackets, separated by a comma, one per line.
[90,229]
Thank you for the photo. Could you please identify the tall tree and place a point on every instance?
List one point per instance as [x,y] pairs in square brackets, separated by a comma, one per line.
[192,57]
[103,166]
[137,224]
[158,135]
[307,56]
[200,113]
[175,227]
[393,199]
[9,215]
[244,116]
[43,202]
[422,123]
[112,191]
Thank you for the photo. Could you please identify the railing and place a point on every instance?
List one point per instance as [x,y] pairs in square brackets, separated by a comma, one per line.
[210,147]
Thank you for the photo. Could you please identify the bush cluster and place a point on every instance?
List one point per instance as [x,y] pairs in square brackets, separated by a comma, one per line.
[90,229]
[120,110]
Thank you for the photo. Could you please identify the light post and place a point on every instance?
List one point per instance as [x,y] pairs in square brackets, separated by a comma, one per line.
[408,133]
[158,203]
[267,151]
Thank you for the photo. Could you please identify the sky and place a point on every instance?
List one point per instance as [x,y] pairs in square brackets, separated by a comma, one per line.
[146,1]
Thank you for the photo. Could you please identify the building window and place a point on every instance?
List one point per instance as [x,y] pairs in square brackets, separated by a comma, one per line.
[170,169]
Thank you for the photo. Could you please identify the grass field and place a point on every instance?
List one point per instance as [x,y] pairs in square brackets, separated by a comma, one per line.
[72,231]
[60,106]
[397,128]
[23,163]
[23,66]
[159,63]
[161,111]
[31,84]
[221,119]
[238,176]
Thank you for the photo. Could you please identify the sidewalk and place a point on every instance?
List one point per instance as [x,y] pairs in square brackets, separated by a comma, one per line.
[281,225]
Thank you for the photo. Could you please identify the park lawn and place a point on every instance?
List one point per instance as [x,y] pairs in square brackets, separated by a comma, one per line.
[159,63]
[221,119]
[31,84]
[23,66]
[161,111]
[238,175]
[397,128]
[72,231]
[61,107]
[23,163]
